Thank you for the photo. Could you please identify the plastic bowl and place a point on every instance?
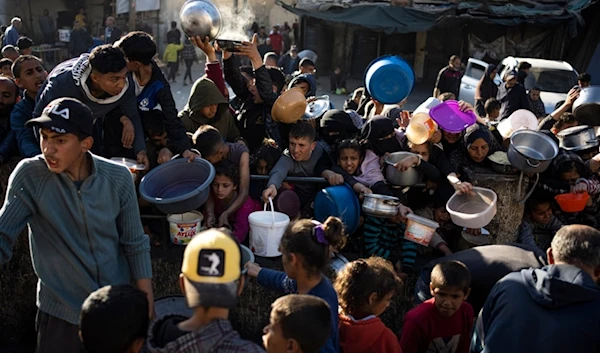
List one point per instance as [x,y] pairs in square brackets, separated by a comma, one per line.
[338,201]
[450,118]
[178,186]
[572,202]
[473,211]
[420,229]
[389,79]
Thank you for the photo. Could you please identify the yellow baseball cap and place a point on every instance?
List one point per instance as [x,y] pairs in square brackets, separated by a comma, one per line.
[212,265]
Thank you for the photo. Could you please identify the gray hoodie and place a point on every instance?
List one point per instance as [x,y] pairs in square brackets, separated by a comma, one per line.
[69,80]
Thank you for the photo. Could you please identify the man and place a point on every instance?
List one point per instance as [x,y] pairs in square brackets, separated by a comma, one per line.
[448,79]
[152,89]
[82,214]
[47,27]
[511,95]
[584,80]
[80,40]
[111,32]
[11,35]
[101,81]
[276,40]
[265,48]
[306,67]
[9,92]
[308,54]
[552,309]
[535,102]
[523,72]
[262,36]
[174,35]
[270,59]
[289,62]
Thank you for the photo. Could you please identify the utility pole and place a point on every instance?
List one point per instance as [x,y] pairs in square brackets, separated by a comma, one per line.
[132,15]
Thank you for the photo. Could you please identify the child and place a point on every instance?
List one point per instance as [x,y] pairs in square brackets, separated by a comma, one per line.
[114,319]
[444,322]
[157,141]
[263,162]
[492,111]
[305,248]
[365,289]
[10,51]
[211,280]
[29,76]
[539,224]
[299,324]
[189,56]
[5,65]
[363,165]
[209,143]
[25,45]
[535,103]
[171,57]
[224,193]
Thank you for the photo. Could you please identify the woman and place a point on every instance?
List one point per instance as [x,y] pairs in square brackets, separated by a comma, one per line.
[336,125]
[476,147]
[486,89]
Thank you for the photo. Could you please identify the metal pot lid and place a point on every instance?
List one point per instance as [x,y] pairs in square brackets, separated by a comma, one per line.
[382,197]
[574,130]
[129,163]
[317,108]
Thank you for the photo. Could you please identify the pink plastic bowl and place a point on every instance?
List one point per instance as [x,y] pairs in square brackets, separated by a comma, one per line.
[450,118]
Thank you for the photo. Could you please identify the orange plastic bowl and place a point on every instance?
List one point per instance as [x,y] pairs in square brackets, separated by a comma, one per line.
[572,202]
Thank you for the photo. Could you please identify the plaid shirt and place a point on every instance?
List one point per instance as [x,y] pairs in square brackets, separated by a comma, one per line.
[189,52]
[216,337]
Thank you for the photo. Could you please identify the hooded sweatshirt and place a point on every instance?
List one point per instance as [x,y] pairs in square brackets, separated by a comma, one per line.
[312,81]
[369,335]
[205,93]
[554,309]
[69,79]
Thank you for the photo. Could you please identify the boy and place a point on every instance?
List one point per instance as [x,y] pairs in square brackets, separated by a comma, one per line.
[29,76]
[9,93]
[306,67]
[152,89]
[171,58]
[299,324]
[584,80]
[100,80]
[211,280]
[114,319]
[304,157]
[539,224]
[25,45]
[535,102]
[492,111]
[443,323]
[157,142]
[82,214]
[11,52]
[5,65]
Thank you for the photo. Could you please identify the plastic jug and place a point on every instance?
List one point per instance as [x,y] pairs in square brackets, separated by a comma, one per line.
[420,128]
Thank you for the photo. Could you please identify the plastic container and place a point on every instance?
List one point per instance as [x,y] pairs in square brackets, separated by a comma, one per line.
[450,118]
[288,202]
[473,211]
[520,119]
[183,227]
[572,202]
[420,129]
[338,201]
[389,79]
[419,229]
[247,256]
[266,230]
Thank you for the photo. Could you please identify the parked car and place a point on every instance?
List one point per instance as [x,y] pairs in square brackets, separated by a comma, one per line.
[554,78]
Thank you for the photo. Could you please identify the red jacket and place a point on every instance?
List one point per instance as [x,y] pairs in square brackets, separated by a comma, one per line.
[277,42]
[367,336]
[425,330]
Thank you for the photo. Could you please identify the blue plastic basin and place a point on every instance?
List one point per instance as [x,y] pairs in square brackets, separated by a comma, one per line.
[338,201]
[389,79]
[178,186]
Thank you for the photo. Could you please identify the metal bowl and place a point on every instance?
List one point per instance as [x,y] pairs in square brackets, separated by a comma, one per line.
[200,18]
[231,46]
[398,178]
[382,206]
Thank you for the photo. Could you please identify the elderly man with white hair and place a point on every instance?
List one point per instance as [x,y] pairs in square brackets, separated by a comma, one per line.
[11,35]
[112,33]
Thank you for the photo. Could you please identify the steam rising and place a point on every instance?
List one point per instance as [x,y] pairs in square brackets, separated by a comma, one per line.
[234,25]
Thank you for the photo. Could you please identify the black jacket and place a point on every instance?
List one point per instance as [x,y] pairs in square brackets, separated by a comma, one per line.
[511,99]
[80,42]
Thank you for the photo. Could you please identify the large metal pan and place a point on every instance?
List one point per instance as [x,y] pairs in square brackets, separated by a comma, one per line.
[587,107]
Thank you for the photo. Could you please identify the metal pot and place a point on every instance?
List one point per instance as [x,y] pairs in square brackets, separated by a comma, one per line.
[200,18]
[578,138]
[317,107]
[134,167]
[380,205]
[232,46]
[531,151]
[587,107]
[398,178]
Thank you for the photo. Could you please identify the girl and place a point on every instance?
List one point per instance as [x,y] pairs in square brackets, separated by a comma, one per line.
[365,289]
[265,157]
[224,192]
[305,248]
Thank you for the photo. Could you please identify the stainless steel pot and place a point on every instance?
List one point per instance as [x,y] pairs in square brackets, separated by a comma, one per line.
[317,108]
[587,107]
[531,151]
[578,138]
[380,205]
[200,18]
[398,178]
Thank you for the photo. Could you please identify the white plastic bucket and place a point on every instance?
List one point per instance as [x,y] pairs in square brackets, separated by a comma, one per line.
[266,230]
[183,227]
[419,229]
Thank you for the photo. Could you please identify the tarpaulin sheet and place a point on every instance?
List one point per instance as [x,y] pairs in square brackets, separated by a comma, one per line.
[383,18]
[140,5]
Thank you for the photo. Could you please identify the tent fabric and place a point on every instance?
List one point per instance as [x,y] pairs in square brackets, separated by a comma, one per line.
[384,18]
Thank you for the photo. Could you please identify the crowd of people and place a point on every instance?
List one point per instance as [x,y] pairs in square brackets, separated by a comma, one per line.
[91,253]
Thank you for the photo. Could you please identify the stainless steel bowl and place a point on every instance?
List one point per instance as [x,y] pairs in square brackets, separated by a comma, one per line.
[586,108]
[398,178]
[380,205]
[200,18]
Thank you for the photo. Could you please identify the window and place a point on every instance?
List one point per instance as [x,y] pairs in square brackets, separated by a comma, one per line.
[553,80]
[476,71]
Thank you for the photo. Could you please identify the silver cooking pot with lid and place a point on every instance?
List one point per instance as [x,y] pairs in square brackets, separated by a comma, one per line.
[380,205]
[200,18]
[578,138]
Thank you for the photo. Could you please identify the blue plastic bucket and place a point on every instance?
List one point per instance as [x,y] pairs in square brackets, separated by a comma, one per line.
[338,201]
[389,79]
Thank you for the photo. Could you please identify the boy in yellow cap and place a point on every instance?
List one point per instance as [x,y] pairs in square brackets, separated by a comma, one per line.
[211,280]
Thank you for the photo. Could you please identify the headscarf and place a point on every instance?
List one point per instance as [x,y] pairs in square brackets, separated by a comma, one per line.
[486,88]
[336,120]
[377,128]
[473,133]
